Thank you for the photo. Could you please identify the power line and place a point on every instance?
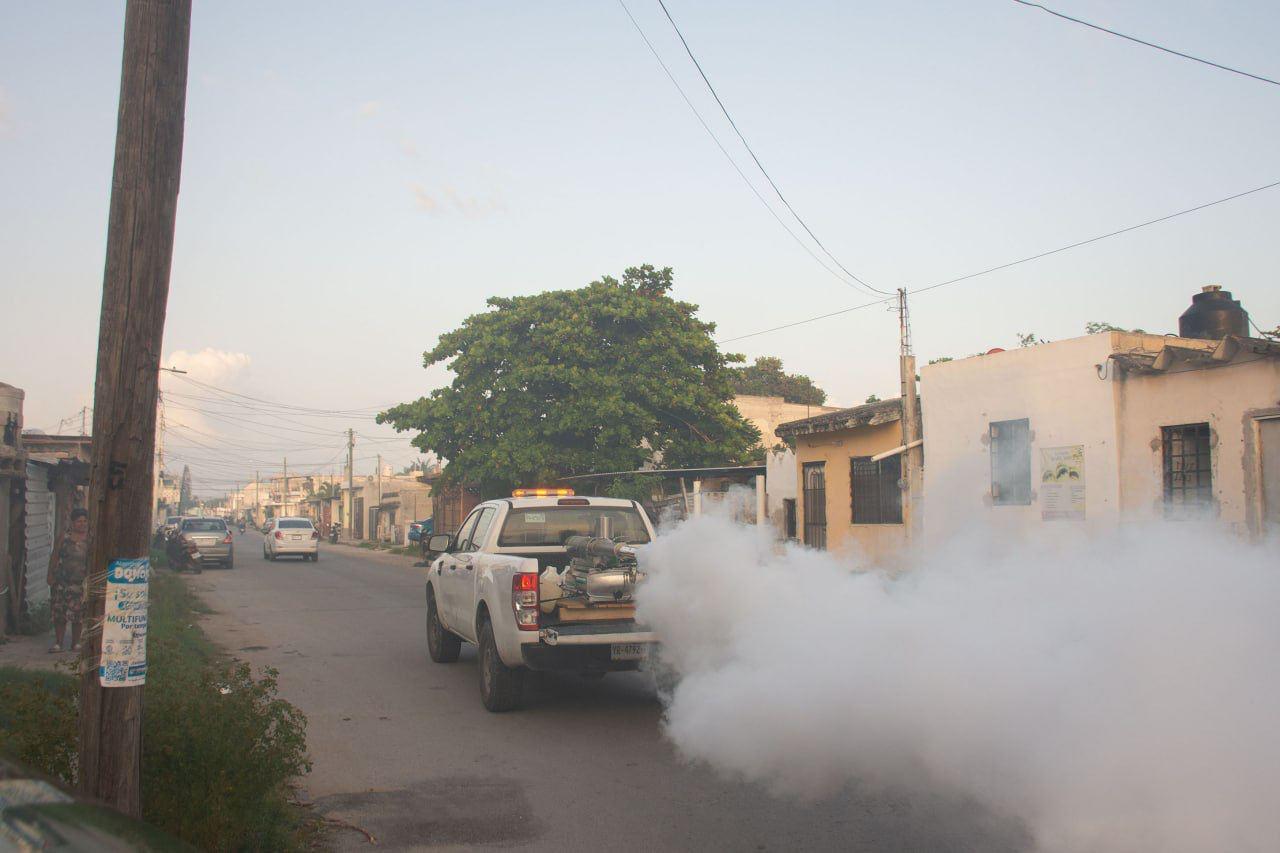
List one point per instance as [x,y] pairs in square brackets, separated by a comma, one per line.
[802,322]
[756,159]
[734,163]
[1005,266]
[278,405]
[1137,40]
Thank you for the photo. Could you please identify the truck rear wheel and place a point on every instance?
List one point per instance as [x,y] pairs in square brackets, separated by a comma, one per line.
[500,685]
[442,645]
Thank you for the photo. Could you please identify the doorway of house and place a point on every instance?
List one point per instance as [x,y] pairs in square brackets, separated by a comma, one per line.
[1269,451]
[815,505]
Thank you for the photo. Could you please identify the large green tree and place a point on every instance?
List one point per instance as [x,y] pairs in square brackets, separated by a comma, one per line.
[579,381]
[767,379]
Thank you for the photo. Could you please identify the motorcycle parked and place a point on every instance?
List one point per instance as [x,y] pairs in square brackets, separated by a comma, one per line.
[333,534]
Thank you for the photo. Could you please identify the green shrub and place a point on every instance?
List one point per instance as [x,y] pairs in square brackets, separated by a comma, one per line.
[219,746]
[218,755]
[37,620]
[39,719]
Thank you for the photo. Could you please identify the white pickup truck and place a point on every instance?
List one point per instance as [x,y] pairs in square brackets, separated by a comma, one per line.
[508,583]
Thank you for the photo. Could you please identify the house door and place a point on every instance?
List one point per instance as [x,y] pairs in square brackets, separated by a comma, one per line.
[815,505]
[789,517]
[1269,435]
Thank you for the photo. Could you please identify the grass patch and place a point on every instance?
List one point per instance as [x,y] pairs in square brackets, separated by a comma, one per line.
[38,719]
[220,747]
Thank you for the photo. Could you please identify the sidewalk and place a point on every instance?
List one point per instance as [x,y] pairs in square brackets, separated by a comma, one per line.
[379,555]
[31,652]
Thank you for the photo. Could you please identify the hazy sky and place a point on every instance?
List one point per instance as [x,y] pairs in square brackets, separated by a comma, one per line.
[357,178]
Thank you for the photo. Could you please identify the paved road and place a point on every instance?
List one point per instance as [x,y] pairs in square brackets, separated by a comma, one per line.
[403,748]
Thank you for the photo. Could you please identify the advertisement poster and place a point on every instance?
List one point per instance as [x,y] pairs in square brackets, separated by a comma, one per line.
[124,628]
[1062,483]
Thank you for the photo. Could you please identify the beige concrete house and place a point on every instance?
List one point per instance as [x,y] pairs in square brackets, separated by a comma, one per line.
[1098,430]
[849,465]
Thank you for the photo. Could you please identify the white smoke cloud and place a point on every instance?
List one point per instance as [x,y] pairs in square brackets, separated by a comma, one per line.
[211,365]
[1113,695]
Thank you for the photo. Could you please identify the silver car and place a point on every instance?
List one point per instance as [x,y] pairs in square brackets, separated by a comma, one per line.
[211,539]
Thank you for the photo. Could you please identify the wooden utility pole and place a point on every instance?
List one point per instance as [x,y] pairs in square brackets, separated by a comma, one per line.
[135,290]
[912,457]
[351,494]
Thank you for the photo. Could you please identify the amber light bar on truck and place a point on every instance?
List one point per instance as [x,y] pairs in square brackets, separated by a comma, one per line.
[524,600]
[542,493]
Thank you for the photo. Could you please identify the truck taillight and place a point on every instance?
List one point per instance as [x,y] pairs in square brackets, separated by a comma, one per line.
[227,539]
[315,534]
[279,535]
[524,600]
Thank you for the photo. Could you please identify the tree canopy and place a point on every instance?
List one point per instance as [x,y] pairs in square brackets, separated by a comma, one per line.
[596,379]
[767,379]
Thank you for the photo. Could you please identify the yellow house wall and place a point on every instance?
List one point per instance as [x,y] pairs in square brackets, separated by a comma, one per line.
[877,544]
[1220,397]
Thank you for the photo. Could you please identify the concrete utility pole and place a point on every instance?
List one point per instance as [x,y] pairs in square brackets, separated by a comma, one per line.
[257,495]
[284,495]
[351,495]
[135,290]
[911,427]
[375,533]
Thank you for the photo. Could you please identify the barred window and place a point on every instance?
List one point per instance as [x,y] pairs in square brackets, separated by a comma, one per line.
[1188,475]
[875,490]
[1011,462]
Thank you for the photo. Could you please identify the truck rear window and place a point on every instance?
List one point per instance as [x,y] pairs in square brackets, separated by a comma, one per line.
[553,525]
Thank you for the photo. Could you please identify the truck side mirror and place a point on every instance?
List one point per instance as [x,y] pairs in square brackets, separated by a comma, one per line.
[440,543]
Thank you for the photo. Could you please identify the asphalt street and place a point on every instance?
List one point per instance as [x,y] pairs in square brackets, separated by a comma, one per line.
[404,751]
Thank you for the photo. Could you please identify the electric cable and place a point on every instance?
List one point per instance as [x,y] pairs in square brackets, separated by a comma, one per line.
[1137,40]
[756,159]
[1005,266]
[702,121]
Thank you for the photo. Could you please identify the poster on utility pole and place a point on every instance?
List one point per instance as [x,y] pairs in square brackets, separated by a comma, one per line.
[1062,483]
[123,662]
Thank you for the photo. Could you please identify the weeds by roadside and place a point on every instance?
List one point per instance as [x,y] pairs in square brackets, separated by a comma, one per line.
[37,620]
[220,747]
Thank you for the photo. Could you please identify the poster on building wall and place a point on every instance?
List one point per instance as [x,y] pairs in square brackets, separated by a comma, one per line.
[124,629]
[1062,483]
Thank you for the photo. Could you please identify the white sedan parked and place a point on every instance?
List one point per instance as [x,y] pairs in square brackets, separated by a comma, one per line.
[292,536]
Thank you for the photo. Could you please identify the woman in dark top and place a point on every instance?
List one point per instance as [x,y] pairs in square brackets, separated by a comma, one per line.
[66,581]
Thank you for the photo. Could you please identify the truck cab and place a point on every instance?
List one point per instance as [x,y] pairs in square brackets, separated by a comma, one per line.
[507,583]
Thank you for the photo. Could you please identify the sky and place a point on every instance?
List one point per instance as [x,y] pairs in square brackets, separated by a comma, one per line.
[358,179]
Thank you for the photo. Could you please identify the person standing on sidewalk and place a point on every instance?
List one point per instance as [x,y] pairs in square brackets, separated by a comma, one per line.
[66,581]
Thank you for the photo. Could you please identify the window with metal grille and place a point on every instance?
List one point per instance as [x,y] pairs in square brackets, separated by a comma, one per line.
[815,504]
[875,490]
[1011,462]
[1188,475]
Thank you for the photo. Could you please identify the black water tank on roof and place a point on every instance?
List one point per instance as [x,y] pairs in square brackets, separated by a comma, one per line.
[1213,315]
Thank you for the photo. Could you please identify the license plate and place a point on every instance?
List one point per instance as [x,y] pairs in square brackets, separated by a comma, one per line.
[296,538]
[627,651]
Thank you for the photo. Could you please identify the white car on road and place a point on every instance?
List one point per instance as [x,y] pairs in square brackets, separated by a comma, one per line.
[292,537]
